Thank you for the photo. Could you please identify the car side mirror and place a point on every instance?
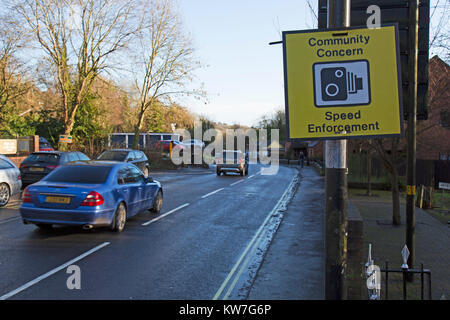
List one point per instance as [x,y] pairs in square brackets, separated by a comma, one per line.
[149,180]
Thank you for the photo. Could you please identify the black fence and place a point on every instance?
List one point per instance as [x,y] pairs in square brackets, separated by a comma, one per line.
[406,272]
[428,172]
[441,172]
[374,280]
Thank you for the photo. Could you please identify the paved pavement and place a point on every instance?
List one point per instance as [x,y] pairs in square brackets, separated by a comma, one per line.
[432,239]
[293,267]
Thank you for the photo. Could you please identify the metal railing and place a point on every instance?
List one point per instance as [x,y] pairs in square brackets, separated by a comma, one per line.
[374,277]
[405,272]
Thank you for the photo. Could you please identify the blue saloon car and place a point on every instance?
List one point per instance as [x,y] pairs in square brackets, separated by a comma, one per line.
[90,194]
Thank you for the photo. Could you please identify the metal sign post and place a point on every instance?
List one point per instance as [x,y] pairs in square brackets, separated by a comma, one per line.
[412,120]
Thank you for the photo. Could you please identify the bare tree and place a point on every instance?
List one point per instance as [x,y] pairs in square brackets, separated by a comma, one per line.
[440,29]
[313,8]
[14,82]
[390,161]
[77,37]
[165,60]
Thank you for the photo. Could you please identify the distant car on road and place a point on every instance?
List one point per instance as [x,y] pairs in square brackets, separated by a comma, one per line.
[10,180]
[232,161]
[44,145]
[90,194]
[136,157]
[164,145]
[38,164]
[194,142]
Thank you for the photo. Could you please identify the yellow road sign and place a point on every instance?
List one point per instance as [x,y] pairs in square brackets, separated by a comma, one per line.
[342,83]
[65,138]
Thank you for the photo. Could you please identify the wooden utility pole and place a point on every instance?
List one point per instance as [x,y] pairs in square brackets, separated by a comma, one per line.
[336,185]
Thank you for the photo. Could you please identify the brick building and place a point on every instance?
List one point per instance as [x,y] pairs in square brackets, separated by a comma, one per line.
[433,135]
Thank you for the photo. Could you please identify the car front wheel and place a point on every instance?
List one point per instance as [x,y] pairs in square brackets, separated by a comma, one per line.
[157,204]
[5,194]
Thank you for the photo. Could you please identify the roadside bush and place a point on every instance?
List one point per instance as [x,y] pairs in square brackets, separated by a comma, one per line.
[160,160]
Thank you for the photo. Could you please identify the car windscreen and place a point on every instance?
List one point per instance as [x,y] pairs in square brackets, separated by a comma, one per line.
[113,155]
[52,158]
[82,156]
[5,164]
[79,174]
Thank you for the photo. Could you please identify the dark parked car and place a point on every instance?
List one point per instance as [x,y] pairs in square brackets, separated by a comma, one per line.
[232,161]
[38,164]
[90,194]
[136,157]
[44,145]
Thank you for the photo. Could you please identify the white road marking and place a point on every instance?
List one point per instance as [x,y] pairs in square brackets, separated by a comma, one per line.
[211,193]
[9,220]
[237,182]
[251,176]
[252,245]
[52,272]
[165,214]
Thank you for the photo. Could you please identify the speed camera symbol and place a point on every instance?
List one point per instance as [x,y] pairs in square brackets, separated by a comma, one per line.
[341,84]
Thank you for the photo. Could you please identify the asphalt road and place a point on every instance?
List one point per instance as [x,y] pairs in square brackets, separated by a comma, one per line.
[190,251]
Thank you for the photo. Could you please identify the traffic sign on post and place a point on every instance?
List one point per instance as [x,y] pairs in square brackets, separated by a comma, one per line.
[342,83]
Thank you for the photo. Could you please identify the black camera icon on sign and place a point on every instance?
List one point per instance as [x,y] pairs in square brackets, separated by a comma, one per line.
[341,83]
[337,84]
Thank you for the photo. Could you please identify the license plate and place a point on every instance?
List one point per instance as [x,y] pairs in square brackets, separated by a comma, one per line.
[36,169]
[63,200]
